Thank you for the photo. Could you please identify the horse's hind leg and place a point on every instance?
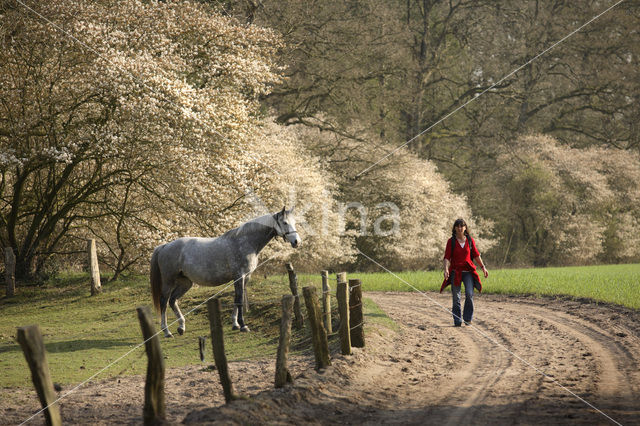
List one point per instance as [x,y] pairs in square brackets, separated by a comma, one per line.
[184,284]
[238,317]
[163,316]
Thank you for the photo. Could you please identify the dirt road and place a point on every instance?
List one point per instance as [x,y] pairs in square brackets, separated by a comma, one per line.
[523,361]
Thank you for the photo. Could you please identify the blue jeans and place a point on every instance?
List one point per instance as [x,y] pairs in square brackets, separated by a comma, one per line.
[467,314]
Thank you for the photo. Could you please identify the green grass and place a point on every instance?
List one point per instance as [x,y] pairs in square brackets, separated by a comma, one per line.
[83,334]
[619,284]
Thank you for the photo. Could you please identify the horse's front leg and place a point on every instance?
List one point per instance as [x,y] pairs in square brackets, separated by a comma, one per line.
[238,317]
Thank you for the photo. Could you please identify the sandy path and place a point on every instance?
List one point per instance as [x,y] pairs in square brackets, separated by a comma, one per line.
[428,372]
[584,349]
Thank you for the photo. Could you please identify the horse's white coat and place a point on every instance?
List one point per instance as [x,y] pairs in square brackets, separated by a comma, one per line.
[215,261]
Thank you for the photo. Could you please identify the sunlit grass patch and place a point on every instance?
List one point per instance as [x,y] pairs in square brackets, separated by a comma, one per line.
[618,284]
[83,334]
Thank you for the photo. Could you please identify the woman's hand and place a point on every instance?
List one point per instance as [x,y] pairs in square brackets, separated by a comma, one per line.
[479,261]
[445,266]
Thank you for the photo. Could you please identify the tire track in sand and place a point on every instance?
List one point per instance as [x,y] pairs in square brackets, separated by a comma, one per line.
[457,365]
[486,383]
[611,381]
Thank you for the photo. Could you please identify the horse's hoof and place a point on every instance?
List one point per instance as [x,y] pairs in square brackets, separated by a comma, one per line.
[244,328]
[235,327]
[180,331]
[168,335]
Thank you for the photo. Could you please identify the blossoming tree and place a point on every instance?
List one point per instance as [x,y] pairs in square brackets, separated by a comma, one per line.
[558,204]
[116,115]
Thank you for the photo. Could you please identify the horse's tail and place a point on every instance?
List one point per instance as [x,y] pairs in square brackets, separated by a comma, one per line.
[156,279]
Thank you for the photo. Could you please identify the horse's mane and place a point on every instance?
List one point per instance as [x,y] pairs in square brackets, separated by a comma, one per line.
[250,226]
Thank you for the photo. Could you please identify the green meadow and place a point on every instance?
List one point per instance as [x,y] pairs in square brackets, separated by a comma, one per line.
[99,337]
[619,284]
[96,337]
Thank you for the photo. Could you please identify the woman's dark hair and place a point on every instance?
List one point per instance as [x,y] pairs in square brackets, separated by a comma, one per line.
[460,221]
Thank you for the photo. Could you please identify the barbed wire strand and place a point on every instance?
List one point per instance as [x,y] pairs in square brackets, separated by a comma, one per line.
[333,293]
[356,326]
[335,333]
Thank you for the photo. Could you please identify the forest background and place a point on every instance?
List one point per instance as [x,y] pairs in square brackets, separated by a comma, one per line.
[136,122]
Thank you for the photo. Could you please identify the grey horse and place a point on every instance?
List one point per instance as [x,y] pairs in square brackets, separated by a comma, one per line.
[233,256]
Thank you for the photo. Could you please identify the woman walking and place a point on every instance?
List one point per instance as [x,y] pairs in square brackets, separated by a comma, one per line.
[459,268]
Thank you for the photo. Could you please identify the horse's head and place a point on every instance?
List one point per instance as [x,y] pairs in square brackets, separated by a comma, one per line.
[285,227]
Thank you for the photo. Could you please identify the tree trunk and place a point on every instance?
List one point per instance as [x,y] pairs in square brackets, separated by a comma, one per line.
[10,271]
[26,268]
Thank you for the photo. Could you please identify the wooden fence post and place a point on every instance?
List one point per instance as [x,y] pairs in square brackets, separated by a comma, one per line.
[283,376]
[30,339]
[217,340]
[341,277]
[318,333]
[326,302]
[201,346]
[94,268]
[10,271]
[154,402]
[342,294]
[293,285]
[356,318]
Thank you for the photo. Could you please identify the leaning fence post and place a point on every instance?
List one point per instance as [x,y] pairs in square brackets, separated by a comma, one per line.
[326,301]
[283,376]
[94,268]
[217,340]
[154,403]
[10,271]
[318,333]
[356,318]
[30,340]
[293,285]
[342,294]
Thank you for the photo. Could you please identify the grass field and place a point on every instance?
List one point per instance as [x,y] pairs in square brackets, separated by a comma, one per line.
[619,284]
[83,334]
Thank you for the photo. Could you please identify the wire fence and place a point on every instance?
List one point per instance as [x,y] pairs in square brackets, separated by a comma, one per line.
[332,293]
[223,292]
